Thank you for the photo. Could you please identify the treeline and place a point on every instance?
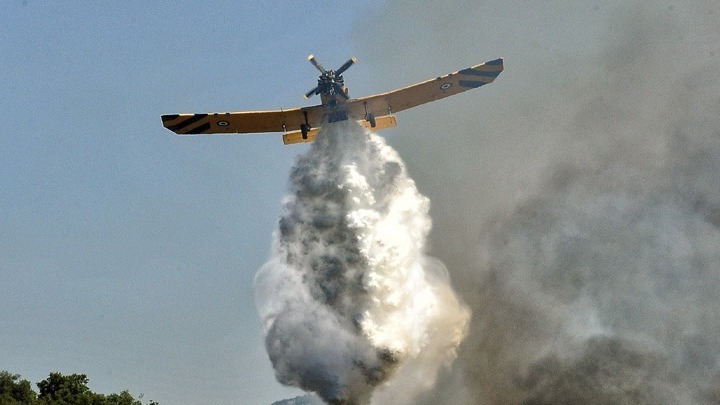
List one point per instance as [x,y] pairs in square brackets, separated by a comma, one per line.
[58,389]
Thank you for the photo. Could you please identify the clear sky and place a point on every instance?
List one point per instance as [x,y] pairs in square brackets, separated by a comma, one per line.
[128,254]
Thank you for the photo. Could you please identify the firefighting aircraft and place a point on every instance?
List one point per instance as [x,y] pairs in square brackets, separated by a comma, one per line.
[302,124]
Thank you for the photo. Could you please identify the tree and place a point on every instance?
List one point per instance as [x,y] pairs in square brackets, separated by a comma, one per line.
[123,398]
[72,389]
[58,389]
[14,392]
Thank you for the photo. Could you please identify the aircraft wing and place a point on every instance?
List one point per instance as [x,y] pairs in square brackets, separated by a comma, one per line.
[425,92]
[243,122]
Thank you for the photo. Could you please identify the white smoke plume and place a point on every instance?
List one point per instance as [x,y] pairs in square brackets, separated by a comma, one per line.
[349,300]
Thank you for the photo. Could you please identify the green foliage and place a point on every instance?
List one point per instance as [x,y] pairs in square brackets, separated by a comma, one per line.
[14,392]
[58,389]
[67,390]
[123,398]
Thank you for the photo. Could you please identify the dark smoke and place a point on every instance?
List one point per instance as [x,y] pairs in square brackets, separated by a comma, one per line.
[577,202]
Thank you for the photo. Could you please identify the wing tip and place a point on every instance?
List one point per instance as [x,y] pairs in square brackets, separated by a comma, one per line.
[496,62]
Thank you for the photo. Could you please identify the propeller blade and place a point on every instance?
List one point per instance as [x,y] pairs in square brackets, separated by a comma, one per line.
[311,92]
[339,90]
[345,66]
[317,64]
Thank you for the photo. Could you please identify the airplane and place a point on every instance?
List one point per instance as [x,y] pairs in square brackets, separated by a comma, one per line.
[302,124]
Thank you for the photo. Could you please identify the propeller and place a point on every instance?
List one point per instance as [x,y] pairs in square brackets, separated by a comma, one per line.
[345,66]
[317,64]
[312,92]
[339,90]
[329,79]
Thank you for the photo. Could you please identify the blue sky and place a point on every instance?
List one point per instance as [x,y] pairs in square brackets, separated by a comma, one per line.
[127,253]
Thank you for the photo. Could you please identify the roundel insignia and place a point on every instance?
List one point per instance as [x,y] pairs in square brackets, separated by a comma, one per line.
[446,86]
[223,123]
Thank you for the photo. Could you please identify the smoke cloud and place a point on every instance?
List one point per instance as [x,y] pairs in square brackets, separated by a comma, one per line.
[576,202]
[349,300]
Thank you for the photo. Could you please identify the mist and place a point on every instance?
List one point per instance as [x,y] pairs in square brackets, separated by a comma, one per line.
[576,202]
[349,300]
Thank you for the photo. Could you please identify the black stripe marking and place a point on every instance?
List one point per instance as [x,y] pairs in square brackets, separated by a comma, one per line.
[169,117]
[199,130]
[471,83]
[485,73]
[195,118]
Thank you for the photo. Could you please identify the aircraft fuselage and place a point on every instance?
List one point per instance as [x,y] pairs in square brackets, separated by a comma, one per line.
[335,107]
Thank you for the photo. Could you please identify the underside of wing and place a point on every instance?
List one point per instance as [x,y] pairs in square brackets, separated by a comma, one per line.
[243,122]
[388,121]
[425,92]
